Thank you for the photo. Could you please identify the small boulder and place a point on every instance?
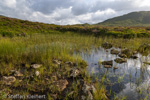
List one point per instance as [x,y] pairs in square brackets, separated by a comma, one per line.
[120,60]
[122,55]
[134,57]
[9,80]
[36,66]
[37,73]
[61,84]
[108,66]
[115,68]
[107,62]
[18,74]
[127,52]
[107,45]
[113,51]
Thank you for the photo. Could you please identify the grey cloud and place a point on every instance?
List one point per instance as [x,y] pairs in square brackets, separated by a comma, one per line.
[48,6]
[70,11]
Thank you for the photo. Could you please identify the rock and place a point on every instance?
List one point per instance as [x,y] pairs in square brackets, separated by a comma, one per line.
[108,66]
[113,51]
[74,72]
[57,62]
[144,49]
[120,60]
[115,67]
[107,45]
[61,84]
[135,52]
[122,55]
[127,52]
[134,57]
[9,80]
[36,66]
[107,62]
[37,73]
[18,74]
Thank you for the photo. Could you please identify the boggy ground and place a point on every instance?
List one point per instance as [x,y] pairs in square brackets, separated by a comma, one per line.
[51,65]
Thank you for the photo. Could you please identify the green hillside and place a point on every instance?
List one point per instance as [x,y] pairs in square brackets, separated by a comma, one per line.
[13,26]
[141,18]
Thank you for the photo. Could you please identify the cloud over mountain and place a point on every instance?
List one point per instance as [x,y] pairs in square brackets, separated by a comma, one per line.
[70,11]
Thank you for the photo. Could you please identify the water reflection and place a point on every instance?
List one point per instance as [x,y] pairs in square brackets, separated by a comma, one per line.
[135,74]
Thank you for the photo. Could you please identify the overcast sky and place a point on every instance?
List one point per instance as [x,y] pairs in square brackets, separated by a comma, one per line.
[64,12]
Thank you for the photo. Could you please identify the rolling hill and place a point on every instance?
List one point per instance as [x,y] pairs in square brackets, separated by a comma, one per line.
[141,18]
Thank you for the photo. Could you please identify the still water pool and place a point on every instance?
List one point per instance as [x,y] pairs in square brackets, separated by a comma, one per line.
[131,79]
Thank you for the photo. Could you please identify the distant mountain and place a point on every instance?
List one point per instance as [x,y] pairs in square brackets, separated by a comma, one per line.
[141,18]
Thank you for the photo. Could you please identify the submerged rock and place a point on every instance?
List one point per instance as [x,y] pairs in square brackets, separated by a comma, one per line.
[107,45]
[36,66]
[113,51]
[107,62]
[115,67]
[9,80]
[108,66]
[120,60]
[122,55]
[74,72]
[134,57]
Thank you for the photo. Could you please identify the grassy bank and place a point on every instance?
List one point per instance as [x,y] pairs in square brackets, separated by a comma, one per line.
[15,27]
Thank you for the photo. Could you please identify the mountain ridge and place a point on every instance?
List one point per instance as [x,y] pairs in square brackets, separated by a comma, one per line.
[140,18]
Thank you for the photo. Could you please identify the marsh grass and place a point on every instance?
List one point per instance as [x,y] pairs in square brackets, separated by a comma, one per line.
[18,53]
